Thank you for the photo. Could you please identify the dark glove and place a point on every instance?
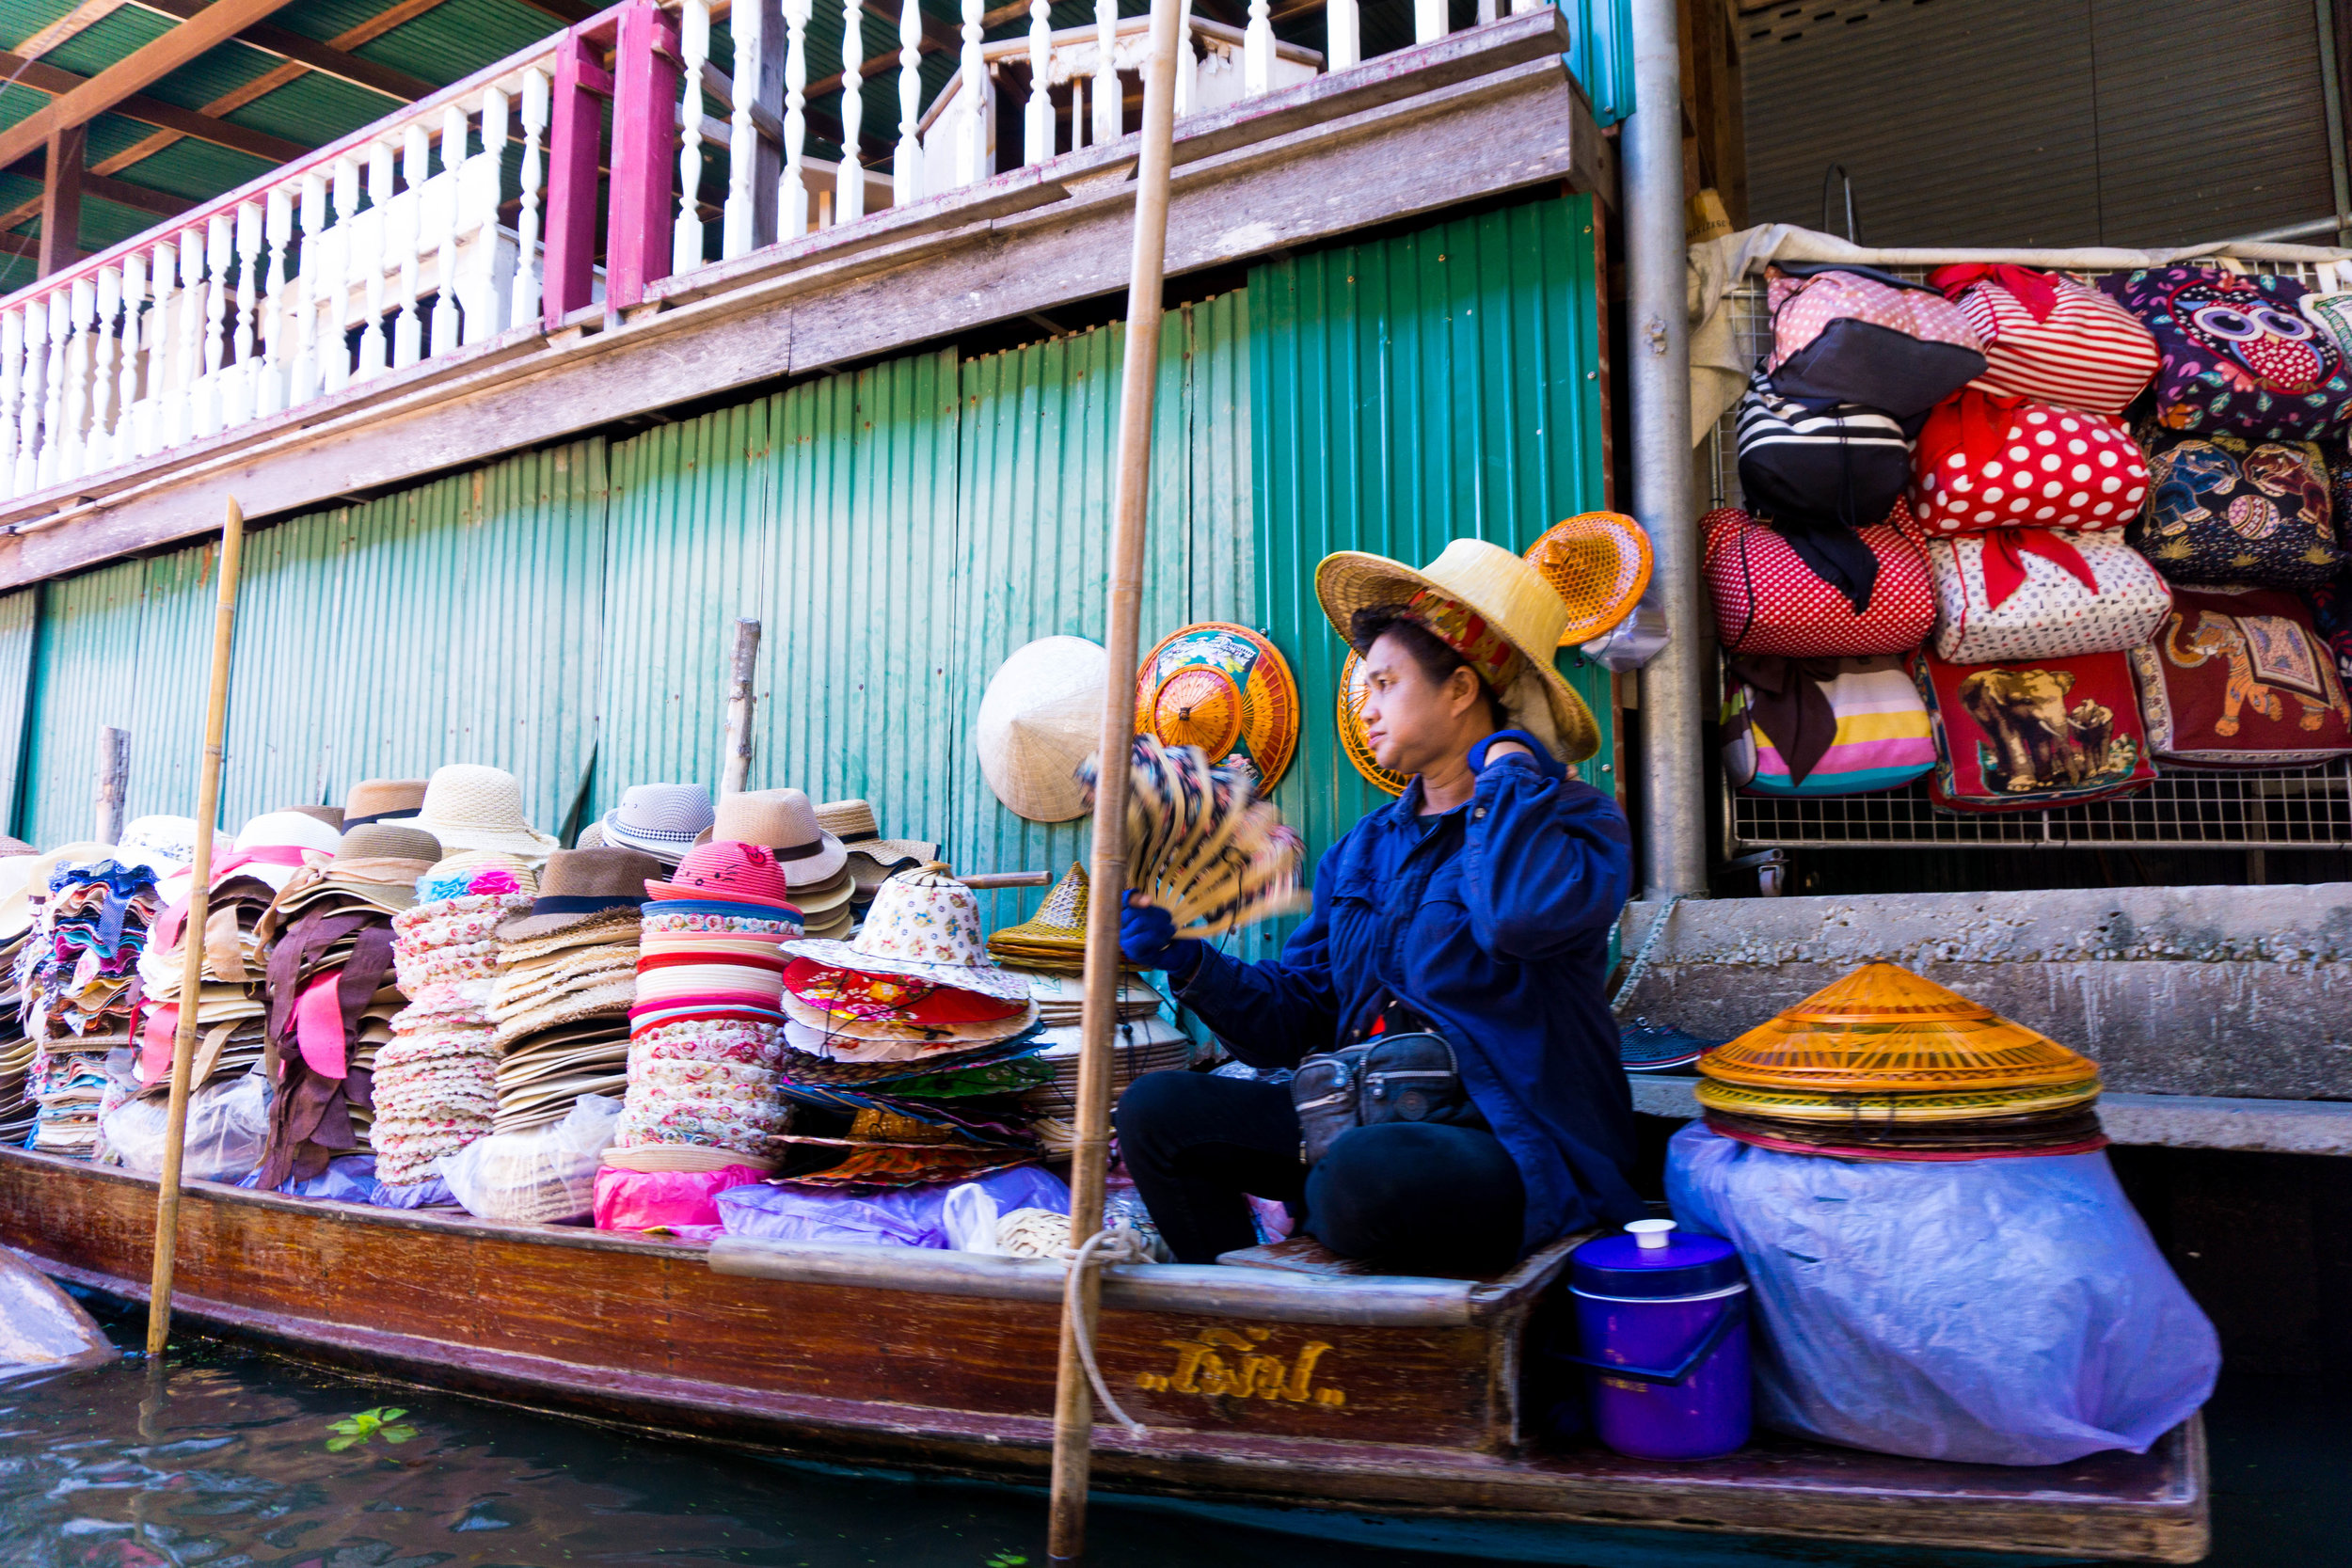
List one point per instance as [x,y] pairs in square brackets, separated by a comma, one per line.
[1148,940]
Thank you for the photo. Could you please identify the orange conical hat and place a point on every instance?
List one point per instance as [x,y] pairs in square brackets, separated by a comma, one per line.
[1883,1029]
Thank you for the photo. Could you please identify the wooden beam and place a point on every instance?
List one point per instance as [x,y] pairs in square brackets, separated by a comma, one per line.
[29,244]
[569,13]
[322,58]
[140,199]
[73,24]
[140,68]
[155,111]
[61,200]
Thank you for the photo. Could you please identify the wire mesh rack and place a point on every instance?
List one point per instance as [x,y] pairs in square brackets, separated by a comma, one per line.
[2185,808]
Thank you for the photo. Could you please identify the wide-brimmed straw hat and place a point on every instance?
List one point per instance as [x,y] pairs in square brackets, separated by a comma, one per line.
[662,820]
[1041,716]
[1598,563]
[376,863]
[382,801]
[784,820]
[472,807]
[872,857]
[923,925]
[1508,595]
[578,885]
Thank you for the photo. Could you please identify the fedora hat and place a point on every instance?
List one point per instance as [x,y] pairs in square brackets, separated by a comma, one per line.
[783,820]
[1473,594]
[472,807]
[852,821]
[579,885]
[382,801]
[727,869]
[1041,716]
[662,820]
[925,925]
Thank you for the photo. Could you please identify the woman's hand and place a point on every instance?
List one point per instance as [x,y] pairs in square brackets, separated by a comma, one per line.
[1148,939]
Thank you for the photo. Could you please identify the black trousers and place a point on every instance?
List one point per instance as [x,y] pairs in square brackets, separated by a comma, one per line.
[1408,1195]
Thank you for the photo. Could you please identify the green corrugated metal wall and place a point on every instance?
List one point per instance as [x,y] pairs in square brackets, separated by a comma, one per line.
[1415,390]
[20,633]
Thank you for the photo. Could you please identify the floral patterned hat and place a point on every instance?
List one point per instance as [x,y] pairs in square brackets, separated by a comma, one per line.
[926,926]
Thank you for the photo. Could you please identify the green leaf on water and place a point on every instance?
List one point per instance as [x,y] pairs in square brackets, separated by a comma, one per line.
[1006,1559]
[337,1445]
[355,1430]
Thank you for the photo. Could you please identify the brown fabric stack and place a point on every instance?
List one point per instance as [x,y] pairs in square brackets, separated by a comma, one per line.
[566,976]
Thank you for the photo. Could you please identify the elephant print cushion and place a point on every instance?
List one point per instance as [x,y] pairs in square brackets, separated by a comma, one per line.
[2030,593]
[2241,680]
[2231,514]
[2030,734]
[2240,357]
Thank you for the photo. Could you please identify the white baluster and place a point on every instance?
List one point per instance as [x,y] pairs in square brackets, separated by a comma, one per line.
[404,231]
[1187,65]
[739,228]
[136,424]
[1077,111]
[372,250]
[436,220]
[35,331]
[335,284]
[1110,98]
[482,288]
[1257,49]
[99,449]
[793,204]
[57,327]
[906,165]
[848,199]
[187,362]
[237,400]
[308,372]
[219,245]
[972,103]
[1037,134]
[269,391]
[1429,20]
[81,305]
[11,393]
[1344,42]
[686,238]
[528,269]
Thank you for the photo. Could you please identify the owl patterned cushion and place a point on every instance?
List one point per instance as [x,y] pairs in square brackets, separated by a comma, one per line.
[2241,680]
[2227,513]
[2240,357]
[2031,734]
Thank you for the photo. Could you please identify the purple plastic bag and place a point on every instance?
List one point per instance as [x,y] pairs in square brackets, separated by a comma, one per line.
[911,1216]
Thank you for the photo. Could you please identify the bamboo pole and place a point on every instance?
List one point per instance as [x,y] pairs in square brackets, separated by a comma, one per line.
[1073,1403]
[114,771]
[192,967]
[736,769]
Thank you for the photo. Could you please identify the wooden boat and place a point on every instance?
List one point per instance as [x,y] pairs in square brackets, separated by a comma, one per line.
[1379,1396]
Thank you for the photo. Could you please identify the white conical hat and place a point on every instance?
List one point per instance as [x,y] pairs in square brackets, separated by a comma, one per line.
[1041,716]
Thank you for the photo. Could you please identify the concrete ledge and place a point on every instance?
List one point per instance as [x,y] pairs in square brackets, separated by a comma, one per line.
[2160,1120]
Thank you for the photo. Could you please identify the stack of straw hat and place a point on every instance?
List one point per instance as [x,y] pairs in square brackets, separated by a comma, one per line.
[873,858]
[567,979]
[815,862]
[663,820]
[16,1046]
[704,1030]
[436,1080]
[1886,1065]
[76,978]
[332,995]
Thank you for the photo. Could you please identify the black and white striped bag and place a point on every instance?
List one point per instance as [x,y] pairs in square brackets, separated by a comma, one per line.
[1809,463]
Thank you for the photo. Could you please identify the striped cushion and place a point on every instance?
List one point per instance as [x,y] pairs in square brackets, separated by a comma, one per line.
[2088,353]
[1883,741]
[1843,464]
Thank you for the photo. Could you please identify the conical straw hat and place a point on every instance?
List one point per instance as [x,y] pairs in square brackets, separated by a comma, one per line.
[1041,716]
[1060,924]
[1883,1029]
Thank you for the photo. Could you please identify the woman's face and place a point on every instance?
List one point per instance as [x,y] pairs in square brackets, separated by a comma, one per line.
[1410,720]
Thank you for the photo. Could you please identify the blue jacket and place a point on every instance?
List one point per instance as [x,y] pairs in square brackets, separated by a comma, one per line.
[1493,921]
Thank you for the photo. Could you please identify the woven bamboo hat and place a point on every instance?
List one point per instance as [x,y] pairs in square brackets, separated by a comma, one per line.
[1883,1030]
[1598,563]
[1056,936]
[1510,597]
[1041,716]
[1226,690]
[1814,1105]
[471,807]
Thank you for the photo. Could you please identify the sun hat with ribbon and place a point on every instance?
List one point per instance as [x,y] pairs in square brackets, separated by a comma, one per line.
[852,821]
[1494,610]
[582,885]
[271,847]
[472,872]
[785,822]
[924,925]
[377,863]
[382,801]
[467,807]
[662,820]
[727,870]
[1041,716]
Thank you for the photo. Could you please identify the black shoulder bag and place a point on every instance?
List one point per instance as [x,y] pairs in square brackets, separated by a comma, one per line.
[1404,1072]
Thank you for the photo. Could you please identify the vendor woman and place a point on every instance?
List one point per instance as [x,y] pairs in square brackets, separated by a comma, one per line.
[1478,906]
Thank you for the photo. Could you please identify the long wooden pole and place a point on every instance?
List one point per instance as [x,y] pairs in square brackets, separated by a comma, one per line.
[736,768]
[192,967]
[1074,1402]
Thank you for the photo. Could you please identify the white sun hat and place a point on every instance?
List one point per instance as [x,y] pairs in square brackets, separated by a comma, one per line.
[471,807]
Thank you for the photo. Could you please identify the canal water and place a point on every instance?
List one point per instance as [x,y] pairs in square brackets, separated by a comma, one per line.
[253,1461]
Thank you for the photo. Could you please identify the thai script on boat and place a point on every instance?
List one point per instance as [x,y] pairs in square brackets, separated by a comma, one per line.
[1251,1369]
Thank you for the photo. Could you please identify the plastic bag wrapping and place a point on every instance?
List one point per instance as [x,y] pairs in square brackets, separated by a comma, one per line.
[650,1199]
[228,1127]
[431,1193]
[1991,1311]
[911,1216]
[970,1211]
[542,1176]
[347,1179]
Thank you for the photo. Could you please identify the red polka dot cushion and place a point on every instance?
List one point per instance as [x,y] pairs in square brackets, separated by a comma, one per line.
[1987,462]
[1769,601]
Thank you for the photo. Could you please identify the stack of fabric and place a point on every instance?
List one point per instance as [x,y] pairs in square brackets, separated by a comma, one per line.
[331,993]
[1053,940]
[705,1031]
[873,858]
[1885,1064]
[883,1028]
[75,976]
[663,820]
[567,979]
[816,865]
[436,1083]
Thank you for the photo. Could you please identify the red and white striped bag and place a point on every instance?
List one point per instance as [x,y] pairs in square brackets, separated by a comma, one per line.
[2051,339]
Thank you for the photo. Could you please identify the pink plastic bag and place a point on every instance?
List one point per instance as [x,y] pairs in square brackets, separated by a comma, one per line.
[640,1200]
